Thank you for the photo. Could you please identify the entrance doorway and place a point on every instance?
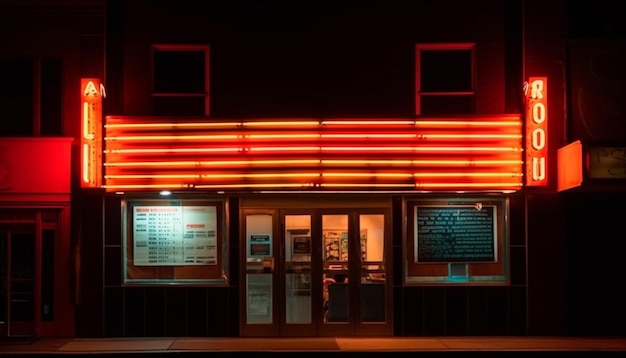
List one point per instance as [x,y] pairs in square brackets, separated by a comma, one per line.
[32,266]
[319,272]
[17,280]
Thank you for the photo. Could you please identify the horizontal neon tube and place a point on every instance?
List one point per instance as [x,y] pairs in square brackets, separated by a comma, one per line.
[268,185]
[365,135]
[310,185]
[371,149]
[465,184]
[147,186]
[292,136]
[263,175]
[152,176]
[282,136]
[470,136]
[172,150]
[323,162]
[151,164]
[468,123]
[361,185]
[468,174]
[385,149]
[367,122]
[368,175]
[172,137]
[186,125]
[442,162]
[281,123]
[211,176]
[111,123]
[310,175]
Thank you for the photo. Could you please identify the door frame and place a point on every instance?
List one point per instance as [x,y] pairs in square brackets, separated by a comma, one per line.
[278,209]
[11,233]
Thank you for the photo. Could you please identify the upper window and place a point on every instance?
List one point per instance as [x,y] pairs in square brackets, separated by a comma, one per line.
[31,97]
[180,83]
[444,79]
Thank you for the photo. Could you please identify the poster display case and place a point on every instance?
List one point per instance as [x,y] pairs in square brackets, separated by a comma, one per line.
[456,241]
[174,241]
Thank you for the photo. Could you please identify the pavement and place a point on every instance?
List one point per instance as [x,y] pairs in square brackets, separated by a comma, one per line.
[314,346]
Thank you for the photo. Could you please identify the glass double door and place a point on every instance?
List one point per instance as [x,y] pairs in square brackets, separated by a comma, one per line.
[316,273]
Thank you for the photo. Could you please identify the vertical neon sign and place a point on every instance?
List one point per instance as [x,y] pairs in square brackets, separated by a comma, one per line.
[536,131]
[91,132]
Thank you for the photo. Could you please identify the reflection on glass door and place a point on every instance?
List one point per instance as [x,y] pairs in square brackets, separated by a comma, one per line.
[373,285]
[259,285]
[298,291]
[336,261]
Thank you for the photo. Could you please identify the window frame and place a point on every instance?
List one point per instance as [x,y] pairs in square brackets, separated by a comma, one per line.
[182,48]
[419,48]
[193,274]
[45,100]
[457,271]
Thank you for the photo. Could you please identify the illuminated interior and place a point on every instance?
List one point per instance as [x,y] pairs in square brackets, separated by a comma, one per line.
[465,153]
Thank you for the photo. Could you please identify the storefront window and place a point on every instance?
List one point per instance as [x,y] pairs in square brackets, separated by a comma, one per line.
[174,241]
[460,241]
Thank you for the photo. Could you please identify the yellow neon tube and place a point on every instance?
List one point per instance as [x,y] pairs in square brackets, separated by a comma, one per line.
[86,160]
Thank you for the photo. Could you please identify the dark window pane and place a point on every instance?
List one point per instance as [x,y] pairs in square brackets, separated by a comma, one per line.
[179,72]
[446,71]
[22,277]
[178,106]
[4,256]
[16,97]
[47,275]
[444,105]
[51,97]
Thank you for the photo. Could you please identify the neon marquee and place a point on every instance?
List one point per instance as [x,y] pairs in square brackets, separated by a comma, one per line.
[537,131]
[91,133]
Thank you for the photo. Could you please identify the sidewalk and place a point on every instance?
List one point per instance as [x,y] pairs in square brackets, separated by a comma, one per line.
[534,346]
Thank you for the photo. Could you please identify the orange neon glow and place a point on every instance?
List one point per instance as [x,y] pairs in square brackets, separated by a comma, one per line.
[474,153]
[537,131]
[468,185]
[297,162]
[91,132]
[466,174]
[367,185]
[570,166]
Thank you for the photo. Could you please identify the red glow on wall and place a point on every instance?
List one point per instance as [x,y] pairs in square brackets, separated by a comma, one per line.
[537,131]
[30,167]
[465,153]
[91,133]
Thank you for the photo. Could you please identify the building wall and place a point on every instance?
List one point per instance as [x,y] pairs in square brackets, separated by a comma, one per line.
[279,62]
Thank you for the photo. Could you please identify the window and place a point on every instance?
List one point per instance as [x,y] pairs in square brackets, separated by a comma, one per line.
[444,79]
[31,97]
[457,241]
[180,83]
[174,242]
